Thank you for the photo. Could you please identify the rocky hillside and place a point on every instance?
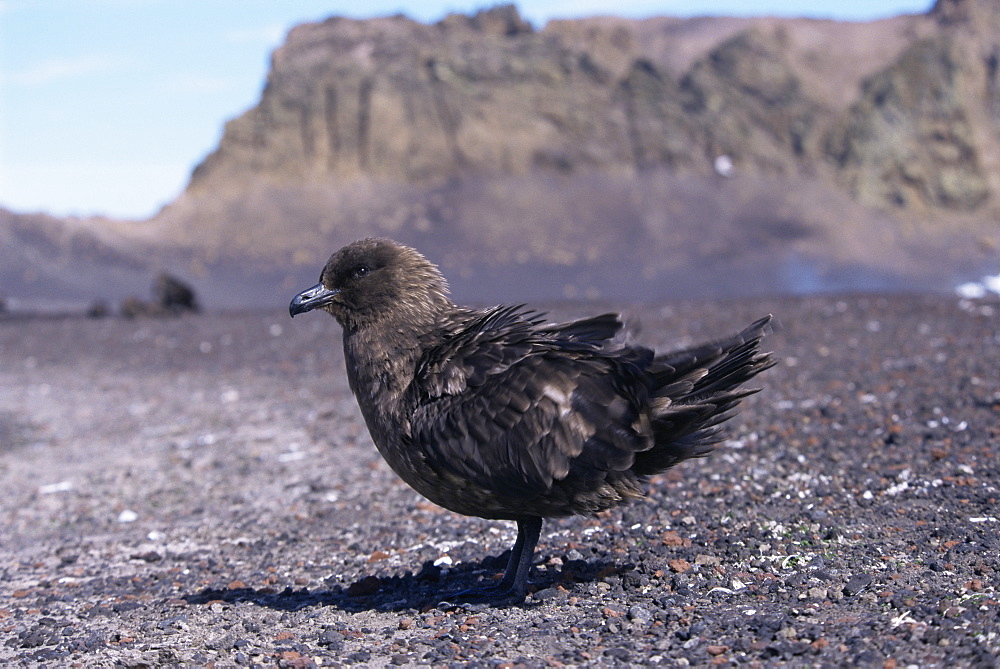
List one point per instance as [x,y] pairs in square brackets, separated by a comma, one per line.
[598,156]
[911,121]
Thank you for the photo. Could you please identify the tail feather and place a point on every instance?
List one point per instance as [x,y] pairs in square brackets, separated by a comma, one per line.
[680,362]
[595,330]
[695,391]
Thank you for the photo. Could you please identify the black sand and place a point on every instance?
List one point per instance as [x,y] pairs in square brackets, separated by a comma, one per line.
[203,490]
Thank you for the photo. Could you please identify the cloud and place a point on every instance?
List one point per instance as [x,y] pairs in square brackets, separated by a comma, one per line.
[60,69]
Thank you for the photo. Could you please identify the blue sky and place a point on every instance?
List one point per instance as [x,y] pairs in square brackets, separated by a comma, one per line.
[107,105]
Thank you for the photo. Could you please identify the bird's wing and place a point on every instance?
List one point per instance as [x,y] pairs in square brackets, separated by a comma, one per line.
[498,338]
[509,407]
[494,340]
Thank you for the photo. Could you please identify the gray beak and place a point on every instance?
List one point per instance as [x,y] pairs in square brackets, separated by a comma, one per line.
[311,298]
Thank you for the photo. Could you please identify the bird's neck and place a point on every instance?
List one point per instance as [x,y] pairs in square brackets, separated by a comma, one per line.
[381,358]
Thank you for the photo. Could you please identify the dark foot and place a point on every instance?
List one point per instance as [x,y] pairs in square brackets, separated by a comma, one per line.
[513,588]
[496,595]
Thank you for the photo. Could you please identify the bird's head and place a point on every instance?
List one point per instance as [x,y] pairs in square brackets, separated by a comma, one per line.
[372,280]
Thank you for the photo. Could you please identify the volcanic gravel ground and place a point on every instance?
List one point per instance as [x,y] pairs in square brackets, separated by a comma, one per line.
[203,490]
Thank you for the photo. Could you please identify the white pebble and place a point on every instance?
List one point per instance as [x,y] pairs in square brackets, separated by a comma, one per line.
[51,488]
[128,516]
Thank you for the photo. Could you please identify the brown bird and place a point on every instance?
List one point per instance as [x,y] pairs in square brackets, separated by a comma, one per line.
[493,413]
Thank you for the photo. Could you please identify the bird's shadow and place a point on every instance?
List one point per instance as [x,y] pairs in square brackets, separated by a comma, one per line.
[408,591]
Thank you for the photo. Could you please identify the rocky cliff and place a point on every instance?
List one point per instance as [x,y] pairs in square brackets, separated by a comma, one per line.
[394,100]
[786,150]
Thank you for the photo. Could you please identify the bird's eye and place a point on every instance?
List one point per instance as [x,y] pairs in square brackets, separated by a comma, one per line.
[361,271]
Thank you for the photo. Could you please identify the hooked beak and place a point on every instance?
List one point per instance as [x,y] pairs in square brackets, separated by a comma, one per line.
[311,298]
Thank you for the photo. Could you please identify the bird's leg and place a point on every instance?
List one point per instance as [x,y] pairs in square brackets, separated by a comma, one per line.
[513,587]
[510,571]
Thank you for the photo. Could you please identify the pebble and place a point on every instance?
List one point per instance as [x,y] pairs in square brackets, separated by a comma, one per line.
[128,516]
[857,584]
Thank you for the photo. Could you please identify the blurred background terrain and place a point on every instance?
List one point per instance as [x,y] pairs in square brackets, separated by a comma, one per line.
[608,158]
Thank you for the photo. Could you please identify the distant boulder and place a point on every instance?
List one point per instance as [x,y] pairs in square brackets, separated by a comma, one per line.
[98,309]
[173,295]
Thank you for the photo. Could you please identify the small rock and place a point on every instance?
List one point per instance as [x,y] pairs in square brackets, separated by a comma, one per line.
[788,633]
[679,565]
[620,654]
[639,614]
[671,538]
[52,488]
[331,639]
[817,593]
[128,516]
[857,584]
[612,612]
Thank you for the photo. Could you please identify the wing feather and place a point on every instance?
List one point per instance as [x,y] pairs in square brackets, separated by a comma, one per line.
[509,405]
